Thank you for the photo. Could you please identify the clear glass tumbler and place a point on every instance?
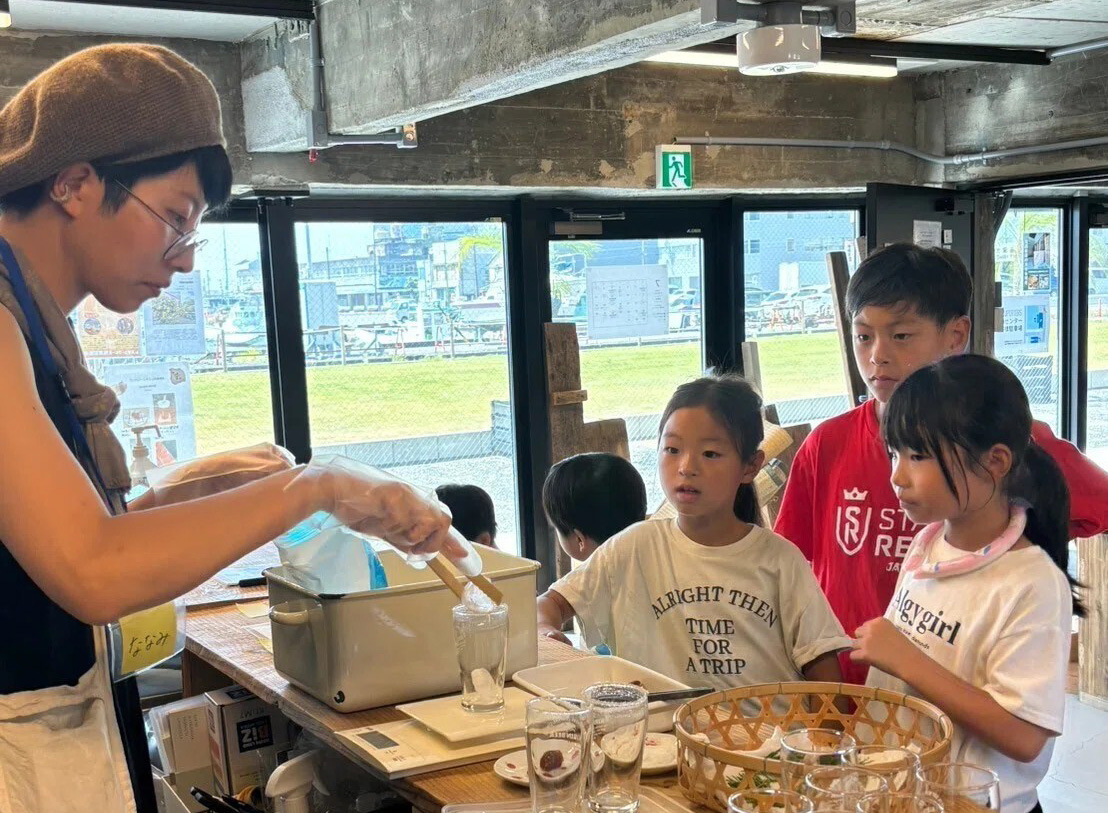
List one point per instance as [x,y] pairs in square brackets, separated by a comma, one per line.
[481,638]
[769,801]
[559,753]
[961,787]
[899,766]
[619,715]
[841,786]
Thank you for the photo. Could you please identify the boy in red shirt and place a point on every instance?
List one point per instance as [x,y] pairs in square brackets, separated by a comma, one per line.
[910,307]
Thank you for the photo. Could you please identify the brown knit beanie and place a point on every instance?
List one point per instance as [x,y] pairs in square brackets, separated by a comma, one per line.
[108,104]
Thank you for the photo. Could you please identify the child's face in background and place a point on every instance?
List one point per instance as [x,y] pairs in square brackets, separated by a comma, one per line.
[924,494]
[891,343]
[699,466]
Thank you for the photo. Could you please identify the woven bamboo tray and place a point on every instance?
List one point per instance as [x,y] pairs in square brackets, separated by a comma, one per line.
[742,719]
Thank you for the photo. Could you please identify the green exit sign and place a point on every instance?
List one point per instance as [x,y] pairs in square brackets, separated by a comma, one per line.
[674,167]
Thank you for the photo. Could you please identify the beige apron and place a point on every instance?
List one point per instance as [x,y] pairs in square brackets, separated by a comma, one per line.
[60,748]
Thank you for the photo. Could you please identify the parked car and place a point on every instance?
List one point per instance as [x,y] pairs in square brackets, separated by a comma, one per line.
[1098,281]
[754,297]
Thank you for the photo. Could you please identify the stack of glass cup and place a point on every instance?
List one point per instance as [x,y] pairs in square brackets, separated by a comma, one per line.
[825,771]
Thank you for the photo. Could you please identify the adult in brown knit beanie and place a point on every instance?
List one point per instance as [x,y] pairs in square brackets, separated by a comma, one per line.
[108,162]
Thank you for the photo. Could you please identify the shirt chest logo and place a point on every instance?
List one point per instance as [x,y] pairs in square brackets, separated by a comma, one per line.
[852,521]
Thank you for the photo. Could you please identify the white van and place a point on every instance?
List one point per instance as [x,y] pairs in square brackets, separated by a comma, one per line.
[1098,280]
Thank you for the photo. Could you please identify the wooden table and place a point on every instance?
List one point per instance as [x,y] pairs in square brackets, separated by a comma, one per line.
[220,646]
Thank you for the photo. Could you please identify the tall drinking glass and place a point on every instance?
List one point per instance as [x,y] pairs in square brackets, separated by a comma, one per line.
[559,739]
[619,715]
[481,638]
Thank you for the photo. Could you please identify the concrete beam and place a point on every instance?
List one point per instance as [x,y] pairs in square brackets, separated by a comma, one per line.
[24,55]
[1004,106]
[392,63]
[276,84]
[600,132]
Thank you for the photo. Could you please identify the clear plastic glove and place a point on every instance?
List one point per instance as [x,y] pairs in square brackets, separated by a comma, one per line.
[374,503]
[209,475]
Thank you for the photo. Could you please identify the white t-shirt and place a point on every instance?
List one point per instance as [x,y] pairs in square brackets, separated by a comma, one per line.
[744,613]
[1005,629]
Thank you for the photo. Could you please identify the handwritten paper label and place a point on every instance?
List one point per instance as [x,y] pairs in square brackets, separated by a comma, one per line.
[148,637]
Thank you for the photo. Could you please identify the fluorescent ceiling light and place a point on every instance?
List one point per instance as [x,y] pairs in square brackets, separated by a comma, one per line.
[872,67]
[5,14]
[709,59]
[883,69]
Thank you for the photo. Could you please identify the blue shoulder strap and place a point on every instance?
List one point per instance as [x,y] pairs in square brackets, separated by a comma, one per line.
[41,349]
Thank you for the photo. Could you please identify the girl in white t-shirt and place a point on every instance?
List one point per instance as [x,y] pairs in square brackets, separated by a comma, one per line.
[980,621]
[709,598]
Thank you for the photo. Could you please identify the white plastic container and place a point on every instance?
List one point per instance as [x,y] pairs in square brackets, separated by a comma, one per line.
[381,647]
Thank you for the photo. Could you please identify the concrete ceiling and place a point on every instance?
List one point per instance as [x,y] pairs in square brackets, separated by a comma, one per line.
[1031,24]
[1003,23]
[1043,25]
[93,18]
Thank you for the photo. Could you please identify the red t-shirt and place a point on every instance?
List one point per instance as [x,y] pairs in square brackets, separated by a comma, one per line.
[840,509]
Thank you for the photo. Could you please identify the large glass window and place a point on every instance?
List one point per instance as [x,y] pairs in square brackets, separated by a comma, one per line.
[1097,399]
[1028,259]
[194,363]
[405,339]
[790,308]
[637,307]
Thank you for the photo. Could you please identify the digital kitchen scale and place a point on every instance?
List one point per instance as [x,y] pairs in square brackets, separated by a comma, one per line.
[406,748]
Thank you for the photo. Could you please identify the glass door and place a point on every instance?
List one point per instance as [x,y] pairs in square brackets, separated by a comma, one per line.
[790,307]
[405,335]
[1096,399]
[191,368]
[638,307]
[1029,263]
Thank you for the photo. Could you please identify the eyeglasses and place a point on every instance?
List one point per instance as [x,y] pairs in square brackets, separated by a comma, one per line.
[186,240]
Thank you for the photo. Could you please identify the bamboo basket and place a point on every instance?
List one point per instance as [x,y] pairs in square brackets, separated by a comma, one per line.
[742,719]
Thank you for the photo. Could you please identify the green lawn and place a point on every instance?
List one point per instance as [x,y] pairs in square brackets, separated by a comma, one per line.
[438,396]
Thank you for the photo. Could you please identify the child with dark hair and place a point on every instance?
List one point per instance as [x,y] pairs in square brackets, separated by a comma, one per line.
[589,498]
[980,621]
[708,598]
[910,308]
[472,512]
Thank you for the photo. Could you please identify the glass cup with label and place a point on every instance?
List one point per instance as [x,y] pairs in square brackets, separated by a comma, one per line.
[559,743]
[481,638]
[619,714]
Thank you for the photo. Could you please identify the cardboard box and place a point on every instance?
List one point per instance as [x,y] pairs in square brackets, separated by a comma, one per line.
[172,790]
[246,735]
[181,732]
